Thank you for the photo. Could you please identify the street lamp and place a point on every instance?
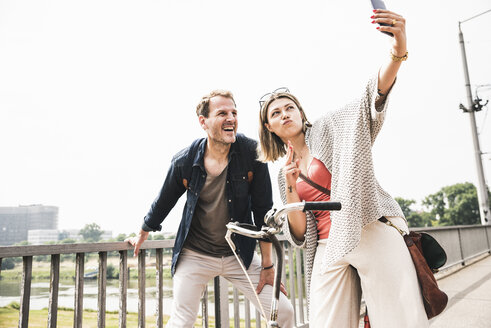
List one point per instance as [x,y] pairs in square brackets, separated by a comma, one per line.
[473,106]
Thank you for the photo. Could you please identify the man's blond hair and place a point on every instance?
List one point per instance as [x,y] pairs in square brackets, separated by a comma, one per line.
[203,107]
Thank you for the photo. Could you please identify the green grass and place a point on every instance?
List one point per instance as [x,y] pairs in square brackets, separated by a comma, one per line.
[9,317]
[39,318]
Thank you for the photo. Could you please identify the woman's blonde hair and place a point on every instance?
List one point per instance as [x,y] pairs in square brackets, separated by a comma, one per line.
[271,147]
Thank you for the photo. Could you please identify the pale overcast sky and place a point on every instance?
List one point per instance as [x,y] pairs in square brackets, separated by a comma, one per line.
[97,96]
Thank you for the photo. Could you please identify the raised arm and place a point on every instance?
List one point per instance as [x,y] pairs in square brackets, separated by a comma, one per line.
[398,52]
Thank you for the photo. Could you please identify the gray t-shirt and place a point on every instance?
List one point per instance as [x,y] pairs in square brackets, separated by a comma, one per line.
[207,232]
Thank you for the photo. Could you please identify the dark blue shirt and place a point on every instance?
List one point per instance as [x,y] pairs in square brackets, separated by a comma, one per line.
[248,190]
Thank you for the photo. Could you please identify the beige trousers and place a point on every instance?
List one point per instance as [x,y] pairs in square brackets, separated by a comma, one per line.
[381,268]
[193,272]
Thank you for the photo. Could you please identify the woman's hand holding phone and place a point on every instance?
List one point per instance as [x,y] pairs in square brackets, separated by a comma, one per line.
[391,24]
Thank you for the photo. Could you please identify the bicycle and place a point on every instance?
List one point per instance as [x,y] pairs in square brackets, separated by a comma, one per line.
[274,220]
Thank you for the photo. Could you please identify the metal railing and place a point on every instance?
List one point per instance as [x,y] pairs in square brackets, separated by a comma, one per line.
[241,306]
[461,243]
[27,253]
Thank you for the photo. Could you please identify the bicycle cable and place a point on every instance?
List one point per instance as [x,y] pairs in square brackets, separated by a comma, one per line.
[232,246]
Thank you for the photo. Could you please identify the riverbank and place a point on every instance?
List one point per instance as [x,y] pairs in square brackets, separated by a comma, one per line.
[41,270]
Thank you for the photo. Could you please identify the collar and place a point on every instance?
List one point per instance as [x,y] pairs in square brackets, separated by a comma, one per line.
[199,157]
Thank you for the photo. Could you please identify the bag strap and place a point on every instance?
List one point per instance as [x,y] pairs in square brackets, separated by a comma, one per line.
[383,219]
[315,185]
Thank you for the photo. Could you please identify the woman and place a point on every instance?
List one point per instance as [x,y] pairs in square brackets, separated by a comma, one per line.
[350,251]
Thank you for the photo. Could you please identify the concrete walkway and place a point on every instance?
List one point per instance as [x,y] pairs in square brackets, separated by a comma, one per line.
[469,297]
[469,293]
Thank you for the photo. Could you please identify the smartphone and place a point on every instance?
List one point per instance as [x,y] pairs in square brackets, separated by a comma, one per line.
[379,4]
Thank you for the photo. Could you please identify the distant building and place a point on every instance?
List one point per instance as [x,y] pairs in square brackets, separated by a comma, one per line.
[71,234]
[16,221]
[106,235]
[40,237]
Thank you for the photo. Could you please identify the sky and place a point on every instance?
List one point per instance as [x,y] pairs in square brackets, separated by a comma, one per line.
[97,96]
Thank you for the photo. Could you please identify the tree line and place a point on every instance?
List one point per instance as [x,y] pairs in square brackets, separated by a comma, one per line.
[451,205]
[90,233]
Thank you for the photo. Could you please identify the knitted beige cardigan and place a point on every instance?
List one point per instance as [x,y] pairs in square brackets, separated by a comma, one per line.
[343,140]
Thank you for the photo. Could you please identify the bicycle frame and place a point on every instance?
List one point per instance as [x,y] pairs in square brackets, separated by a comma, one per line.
[274,220]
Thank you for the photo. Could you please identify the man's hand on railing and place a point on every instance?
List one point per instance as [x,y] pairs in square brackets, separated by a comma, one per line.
[137,241]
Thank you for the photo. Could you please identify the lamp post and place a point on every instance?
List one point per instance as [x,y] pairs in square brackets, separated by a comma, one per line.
[482,192]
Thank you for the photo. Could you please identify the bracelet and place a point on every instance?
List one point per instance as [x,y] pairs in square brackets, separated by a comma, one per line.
[268,267]
[398,59]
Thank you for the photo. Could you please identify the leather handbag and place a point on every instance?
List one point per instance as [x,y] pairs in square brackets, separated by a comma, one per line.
[428,256]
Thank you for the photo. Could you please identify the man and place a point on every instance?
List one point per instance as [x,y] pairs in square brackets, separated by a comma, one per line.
[224,182]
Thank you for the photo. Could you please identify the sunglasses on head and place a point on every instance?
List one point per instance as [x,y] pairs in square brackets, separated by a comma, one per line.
[266,97]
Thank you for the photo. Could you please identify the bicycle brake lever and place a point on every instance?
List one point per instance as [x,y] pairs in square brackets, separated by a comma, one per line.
[228,238]
[269,218]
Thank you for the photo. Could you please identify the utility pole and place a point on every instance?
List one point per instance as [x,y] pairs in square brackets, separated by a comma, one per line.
[482,191]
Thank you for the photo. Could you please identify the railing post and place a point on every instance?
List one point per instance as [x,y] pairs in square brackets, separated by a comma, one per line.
[485,230]
[218,314]
[54,283]
[283,269]
[291,268]
[0,268]
[305,285]
[258,319]
[123,286]
[79,290]
[236,309]
[101,292]
[299,276]
[247,312]
[460,247]
[141,289]
[160,287]
[204,308]
[221,302]
[25,292]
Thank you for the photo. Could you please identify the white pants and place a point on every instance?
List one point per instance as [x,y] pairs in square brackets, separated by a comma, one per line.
[380,267]
[193,272]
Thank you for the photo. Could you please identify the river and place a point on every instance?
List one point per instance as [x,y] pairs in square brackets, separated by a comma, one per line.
[10,292]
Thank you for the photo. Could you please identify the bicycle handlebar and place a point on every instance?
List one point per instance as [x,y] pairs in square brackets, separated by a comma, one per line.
[322,206]
[246,230]
[274,218]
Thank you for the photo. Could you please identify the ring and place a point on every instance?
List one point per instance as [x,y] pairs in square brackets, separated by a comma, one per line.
[394,22]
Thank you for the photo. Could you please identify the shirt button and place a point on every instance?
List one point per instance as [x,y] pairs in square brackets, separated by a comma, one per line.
[229,200]
[196,194]
[227,181]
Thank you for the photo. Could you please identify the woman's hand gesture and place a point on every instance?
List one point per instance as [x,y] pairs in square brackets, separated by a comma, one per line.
[291,170]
